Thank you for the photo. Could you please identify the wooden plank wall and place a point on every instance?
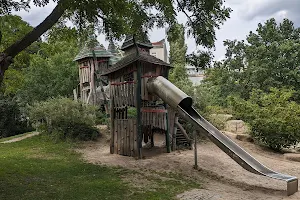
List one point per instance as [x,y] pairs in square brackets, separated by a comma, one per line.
[171,120]
[125,137]
[85,74]
[123,93]
[154,116]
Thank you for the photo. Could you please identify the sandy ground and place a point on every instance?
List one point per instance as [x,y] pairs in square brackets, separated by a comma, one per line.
[222,178]
[21,138]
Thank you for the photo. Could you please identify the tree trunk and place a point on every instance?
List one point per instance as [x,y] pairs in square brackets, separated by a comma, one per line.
[6,58]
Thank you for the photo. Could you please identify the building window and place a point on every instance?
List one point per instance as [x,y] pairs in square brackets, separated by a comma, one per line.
[153,54]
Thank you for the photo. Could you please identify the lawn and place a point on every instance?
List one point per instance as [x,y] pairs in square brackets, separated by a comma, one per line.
[37,168]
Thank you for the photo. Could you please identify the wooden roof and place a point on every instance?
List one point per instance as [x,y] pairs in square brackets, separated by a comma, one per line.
[133,57]
[87,52]
[128,42]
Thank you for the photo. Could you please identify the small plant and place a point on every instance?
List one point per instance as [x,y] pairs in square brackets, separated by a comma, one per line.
[65,119]
[131,112]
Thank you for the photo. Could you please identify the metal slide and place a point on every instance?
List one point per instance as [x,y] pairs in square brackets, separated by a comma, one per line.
[177,99]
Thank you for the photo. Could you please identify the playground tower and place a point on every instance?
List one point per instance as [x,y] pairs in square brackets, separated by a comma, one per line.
[134,112]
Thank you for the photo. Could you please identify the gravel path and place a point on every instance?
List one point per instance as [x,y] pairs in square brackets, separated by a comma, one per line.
[21,138]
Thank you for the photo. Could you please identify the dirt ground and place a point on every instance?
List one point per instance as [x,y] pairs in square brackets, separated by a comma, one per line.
[221,177]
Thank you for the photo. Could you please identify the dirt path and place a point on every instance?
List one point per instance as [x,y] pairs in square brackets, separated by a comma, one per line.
[21,138]
[223,178]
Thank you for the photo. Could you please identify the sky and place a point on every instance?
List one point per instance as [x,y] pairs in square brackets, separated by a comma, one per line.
[244,18]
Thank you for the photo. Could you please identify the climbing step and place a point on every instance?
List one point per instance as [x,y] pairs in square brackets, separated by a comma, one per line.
[181,140]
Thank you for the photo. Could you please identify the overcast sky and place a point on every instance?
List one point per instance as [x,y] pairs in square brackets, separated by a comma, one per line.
[244,18]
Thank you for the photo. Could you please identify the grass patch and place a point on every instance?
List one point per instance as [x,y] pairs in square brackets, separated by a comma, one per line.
[37,168]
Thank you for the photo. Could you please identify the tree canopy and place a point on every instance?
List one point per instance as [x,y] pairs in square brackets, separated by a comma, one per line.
[178,49]
[115,18]
[268,58]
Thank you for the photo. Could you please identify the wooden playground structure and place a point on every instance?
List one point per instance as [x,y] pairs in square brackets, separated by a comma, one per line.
[134,113]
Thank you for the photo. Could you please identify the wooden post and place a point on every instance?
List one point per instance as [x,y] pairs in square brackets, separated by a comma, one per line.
[138,110]
[168,145]
[112,127]
[195,150]
[75,94]
[152,137]
[174,134]
[167,119]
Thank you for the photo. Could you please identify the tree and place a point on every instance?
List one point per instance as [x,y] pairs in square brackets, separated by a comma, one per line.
[118,17]
[269,58]
[14,28]
[178,48]
[52,73]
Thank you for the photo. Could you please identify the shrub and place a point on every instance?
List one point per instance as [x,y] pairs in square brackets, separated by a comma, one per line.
[11,120]
[274,118]
[101,117]
[207,99]
[73,120]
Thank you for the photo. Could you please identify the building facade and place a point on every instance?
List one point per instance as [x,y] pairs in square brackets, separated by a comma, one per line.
[195,75]
[159,50]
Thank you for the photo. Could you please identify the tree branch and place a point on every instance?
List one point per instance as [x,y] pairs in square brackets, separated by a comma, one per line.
[34,35]
[8,54]
[182,9]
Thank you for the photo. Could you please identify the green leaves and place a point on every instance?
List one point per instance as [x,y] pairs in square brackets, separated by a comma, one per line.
[7,6]
[269,58]
[178,49]
[118,17]
[52,73]
[273,116]
[206,15]
[65,118]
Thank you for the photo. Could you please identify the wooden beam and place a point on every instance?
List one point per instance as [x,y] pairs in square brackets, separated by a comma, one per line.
[112,119]
[195,150]
[183,131]
[174,134]
[138,110]
[168,145]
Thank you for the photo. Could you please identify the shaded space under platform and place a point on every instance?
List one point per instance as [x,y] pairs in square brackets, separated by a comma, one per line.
[159,146]
[152,152]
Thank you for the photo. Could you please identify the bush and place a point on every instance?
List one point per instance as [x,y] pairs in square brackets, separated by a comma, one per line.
[207,99]
[11,120]
[274,118]
[101,117]
[65,118]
